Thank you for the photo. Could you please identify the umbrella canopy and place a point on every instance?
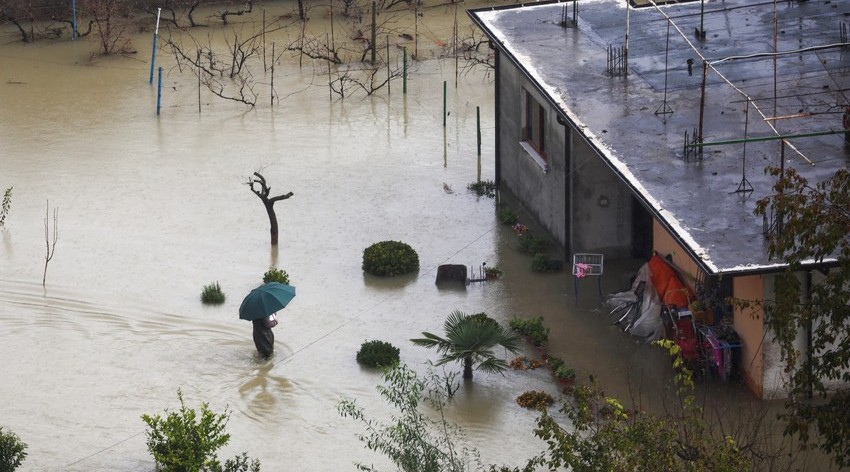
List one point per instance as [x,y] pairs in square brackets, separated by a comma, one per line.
[265,300]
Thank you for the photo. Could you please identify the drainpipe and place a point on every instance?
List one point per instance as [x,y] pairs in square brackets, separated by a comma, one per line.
[498,113]
[809,334]
[568,186]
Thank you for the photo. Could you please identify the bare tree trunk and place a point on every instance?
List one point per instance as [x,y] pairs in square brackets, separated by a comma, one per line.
[51,247]
[263,193]
[467,367]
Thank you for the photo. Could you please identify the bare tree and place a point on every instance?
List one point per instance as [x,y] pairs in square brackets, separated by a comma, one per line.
[49,242]
[173,11]
[228,74]
[112,18]
[258,185]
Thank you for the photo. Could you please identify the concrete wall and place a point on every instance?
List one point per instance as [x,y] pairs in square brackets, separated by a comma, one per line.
[572,177]
[599,226]
[542,191]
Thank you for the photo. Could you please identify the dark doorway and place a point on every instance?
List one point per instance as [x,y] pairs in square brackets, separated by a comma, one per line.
[641,231]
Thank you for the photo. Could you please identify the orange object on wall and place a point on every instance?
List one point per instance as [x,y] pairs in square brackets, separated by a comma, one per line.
[670,288]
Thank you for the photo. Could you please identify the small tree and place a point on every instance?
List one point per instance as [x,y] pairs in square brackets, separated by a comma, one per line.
[811,222]
[187,441]
[12,451]
[413,441]
[262,190]
[470,339]
[6,205]
[50,241]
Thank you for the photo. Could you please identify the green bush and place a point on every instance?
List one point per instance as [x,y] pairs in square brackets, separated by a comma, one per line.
[377,354]
[533,330]
[530,244]
[565,372]
[388,258]
[276,275]
[212,294]
[483,187]
[12,451]
[507,216]
[542,263]
[187,440]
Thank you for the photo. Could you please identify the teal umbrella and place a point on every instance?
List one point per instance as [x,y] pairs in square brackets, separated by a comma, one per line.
[265,300]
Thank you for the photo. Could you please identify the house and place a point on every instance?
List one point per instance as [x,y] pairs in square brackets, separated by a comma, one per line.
[627,131]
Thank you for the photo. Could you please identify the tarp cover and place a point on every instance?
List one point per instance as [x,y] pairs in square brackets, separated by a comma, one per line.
[648,325]
[671,290]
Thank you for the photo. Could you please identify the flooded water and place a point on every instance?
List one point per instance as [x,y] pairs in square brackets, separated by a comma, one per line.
[151,209]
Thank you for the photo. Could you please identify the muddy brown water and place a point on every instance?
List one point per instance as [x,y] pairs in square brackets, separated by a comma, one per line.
[153,208]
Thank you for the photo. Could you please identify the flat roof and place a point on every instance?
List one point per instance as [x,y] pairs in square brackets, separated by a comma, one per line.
[639,122]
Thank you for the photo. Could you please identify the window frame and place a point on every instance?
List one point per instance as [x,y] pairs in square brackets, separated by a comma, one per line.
[534,124]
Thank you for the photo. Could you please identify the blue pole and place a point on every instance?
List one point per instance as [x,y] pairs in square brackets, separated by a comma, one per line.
[159,92]
[74,22]
[153,49]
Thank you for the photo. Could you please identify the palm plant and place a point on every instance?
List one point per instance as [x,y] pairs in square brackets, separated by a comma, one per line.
[470,339]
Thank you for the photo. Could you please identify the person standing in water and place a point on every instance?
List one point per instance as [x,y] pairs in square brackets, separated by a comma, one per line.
[263,335]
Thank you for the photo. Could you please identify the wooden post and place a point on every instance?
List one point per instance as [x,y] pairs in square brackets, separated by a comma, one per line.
[374,31]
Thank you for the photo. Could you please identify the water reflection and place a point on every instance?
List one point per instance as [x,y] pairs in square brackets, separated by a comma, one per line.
[263,391]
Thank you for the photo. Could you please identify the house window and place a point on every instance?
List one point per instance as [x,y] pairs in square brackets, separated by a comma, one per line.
[534,125]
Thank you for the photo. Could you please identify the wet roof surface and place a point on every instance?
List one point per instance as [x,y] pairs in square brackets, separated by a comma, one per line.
[624,119]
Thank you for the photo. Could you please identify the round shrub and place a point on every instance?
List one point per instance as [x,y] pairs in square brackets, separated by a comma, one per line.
[377,354]
[276,275]
[388,258]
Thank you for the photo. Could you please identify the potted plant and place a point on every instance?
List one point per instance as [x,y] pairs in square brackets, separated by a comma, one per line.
[565,374]
[492,273]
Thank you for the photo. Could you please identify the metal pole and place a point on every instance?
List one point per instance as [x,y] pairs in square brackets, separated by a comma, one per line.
[153,49]
[780,137]
[74,19]
[159,92]
[404,72]
[702,103]
[271,88]
[444,104]
[478,134]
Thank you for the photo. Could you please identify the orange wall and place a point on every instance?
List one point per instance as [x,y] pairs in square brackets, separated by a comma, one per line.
[749,324]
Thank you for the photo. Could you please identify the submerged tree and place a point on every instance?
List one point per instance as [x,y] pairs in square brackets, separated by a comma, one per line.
[470,339]
[413,441]
[5,206]
[812,224]
[50,240]
[258,185]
